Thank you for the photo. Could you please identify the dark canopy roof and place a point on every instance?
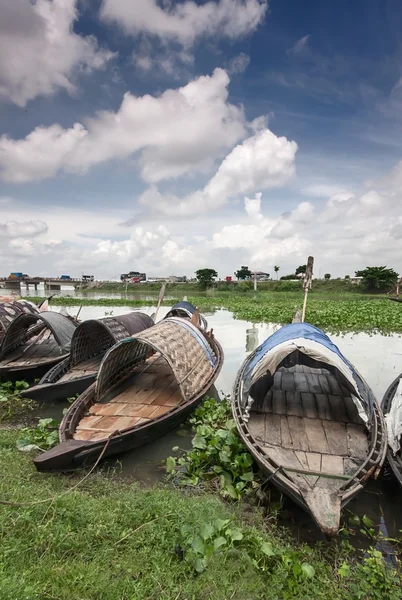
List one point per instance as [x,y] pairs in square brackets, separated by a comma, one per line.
[18,331]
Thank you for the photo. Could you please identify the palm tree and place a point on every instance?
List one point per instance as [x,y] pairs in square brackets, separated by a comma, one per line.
[276,269]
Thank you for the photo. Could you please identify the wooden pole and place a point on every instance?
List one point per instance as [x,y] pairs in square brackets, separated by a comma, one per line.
[308,278]
[160,299]
[255,282]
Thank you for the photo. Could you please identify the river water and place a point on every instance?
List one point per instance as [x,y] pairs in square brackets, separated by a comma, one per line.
[378,358]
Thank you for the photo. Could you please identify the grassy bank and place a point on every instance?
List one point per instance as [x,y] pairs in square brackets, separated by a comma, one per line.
[110,540]
[331,313]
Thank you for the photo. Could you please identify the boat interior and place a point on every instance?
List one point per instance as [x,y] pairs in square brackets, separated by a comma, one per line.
[36,350]
[149,392]
[305,420]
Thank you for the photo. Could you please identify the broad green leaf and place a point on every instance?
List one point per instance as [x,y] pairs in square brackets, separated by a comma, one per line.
[170,464]
[175,448]
[235,534]
[219,524]
[231,490]
[267,549]
[199,442]
[367,521]
[197,545]
[354,520]
[308,570]
[249,476]
[207,531]
[230,424]
[200,565]
[218,542]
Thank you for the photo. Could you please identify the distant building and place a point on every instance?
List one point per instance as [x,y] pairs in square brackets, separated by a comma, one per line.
[176,279]
[260,276]
[134,276]
[356,280]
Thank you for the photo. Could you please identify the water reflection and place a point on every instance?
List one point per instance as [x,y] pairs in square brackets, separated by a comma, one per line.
[251,339]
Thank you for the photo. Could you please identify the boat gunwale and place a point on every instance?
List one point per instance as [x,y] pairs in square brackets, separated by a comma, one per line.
[278,475]
[77,410]
[395,461]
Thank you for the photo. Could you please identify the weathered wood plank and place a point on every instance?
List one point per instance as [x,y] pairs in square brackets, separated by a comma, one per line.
[313,460]
[301,383]
[324,383]
[334,385]
[288,381]
[317,441]
[279,402]
[309,405]
[273,429]
[298,433]
[314,383]
[256,426]
[357,441]
[323,407]
[286,439]
[336,437]
[294,404]
[330,463]
[338,408]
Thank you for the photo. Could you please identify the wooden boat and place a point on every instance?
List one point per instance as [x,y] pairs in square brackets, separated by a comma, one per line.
[186,310]
[146,386]
[90,341]
[394,299]
[11,307]
[310,421]
[392,409]
[34,342]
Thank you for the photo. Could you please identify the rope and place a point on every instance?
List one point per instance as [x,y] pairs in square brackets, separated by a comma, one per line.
[53,498]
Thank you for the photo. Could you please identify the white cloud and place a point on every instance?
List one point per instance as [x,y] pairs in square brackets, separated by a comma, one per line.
[300,45]
[253,206]
[39,51]
[239,63]
[16,229]
[263,161]
[180,131]
[187,21]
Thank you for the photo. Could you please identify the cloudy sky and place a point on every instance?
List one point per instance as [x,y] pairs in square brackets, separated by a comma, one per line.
[170,135]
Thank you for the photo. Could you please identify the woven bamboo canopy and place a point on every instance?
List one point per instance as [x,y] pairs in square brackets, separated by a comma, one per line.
[95,336]
[189,353]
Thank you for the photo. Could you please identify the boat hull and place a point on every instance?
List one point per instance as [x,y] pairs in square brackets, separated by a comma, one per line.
[395,462]
[59,391]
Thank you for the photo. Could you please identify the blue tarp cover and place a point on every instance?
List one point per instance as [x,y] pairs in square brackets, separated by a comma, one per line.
[308,332]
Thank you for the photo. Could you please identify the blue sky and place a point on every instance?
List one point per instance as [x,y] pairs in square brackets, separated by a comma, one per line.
[295,106]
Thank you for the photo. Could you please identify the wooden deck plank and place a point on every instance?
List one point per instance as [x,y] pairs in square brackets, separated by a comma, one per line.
[314,383]
[279,402]
[286,438]
[301,383]
[317,441]
[314,460]
[331,463]
[273,429]
[324,383]
[357,441]
[323,407]
[336,437]
[294,404]
[256,426]
[298,433]
[288,381]
[338,408]
[309,405]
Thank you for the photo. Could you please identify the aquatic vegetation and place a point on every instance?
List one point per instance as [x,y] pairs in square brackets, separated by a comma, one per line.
[218,455]
[12,405]
[44,435]
[332,314]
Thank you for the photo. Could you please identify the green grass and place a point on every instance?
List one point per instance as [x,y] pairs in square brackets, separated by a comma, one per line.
[108,540]
[330,312]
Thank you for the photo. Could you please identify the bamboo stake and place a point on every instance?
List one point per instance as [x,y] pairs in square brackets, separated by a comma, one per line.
[308,278]
[160,299]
